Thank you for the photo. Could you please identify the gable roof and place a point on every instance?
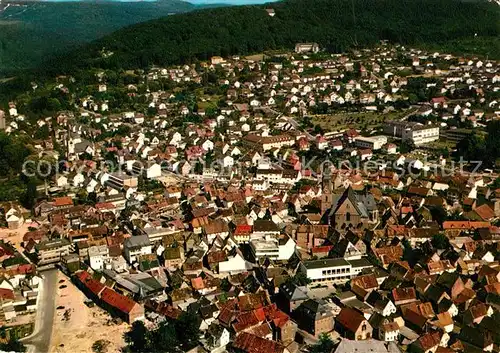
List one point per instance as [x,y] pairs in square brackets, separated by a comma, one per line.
[118,301]
[350,319]
[254,344]
[90,283]
[362,203]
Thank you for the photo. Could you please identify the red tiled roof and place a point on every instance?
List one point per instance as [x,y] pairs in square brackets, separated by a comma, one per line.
[448,225]
[197,283]
[263,330]
[278,317]
[253,344]
[260,314]
[252,301]
[245,320]
[321,249]
[24,269]
[6,293]
[493,288]
[93,285]
[117,300]
[164,309]
[414,317]
[485,212]
[365,282]
[479,310]
[227,313]
[243,229]
[35,235]
[216,256]
[350,319]
[400,294]
[438,100]
[429,340]
[63,201]
[105,206]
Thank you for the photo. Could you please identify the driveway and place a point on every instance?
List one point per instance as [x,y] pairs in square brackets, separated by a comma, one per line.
[39,341]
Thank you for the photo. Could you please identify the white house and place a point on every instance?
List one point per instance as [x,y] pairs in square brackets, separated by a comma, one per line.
[135,246]
[78,179]
[235,263]
[216,339]
[61,181]
[389,332]
[207,145]
[228,161]
[152,171]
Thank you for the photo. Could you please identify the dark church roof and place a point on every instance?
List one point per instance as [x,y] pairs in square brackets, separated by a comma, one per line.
[363,203]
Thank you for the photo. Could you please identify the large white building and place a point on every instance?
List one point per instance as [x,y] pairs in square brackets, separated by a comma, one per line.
[337,270]
[120,180]
[275,248]
[421,134]
[372,142]
[412,132]
[266,143]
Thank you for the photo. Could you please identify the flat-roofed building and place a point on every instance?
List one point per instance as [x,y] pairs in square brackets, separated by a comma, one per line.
[49,252]
[336,270]
[120,180]
[413,132]
[306,48]
[372,142]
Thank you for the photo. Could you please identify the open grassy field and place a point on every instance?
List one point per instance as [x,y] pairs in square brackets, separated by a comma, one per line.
[205,100]
[367,120]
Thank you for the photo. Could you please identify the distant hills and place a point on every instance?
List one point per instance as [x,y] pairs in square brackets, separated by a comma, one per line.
[336,25]
[32,31]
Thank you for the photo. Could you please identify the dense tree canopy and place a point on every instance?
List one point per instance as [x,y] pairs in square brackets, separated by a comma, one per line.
[482,148]
[169,337]
[336,25]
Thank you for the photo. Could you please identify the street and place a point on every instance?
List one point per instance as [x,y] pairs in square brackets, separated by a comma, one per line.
[39,341]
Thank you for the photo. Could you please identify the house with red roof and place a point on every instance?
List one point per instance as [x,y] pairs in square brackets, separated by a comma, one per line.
[121,306]
[439,102]
[250,343]
[116,303]
[351,324]
[62,202]
[242,233]
[90,286]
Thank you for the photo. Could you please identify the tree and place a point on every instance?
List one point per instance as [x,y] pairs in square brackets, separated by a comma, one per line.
[42,133]
[137,338]
[100,346]
[170,337]
[496,184]
[456,215]
[225,285]
[439,214]
[325,344]
[406,147]
[13,345]
[28,198]
[187,327]
[300,279]
[164,338]
[440,241]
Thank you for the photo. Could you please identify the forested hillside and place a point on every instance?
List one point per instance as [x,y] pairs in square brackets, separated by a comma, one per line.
[35,30]
[336,25]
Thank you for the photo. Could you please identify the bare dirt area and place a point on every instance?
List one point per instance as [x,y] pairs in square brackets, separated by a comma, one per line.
[15,236]
[77,327]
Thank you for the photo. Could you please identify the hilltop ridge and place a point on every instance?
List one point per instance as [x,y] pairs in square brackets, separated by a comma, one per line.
[337,25]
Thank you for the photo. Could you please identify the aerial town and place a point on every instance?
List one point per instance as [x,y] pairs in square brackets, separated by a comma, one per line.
[280,203]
